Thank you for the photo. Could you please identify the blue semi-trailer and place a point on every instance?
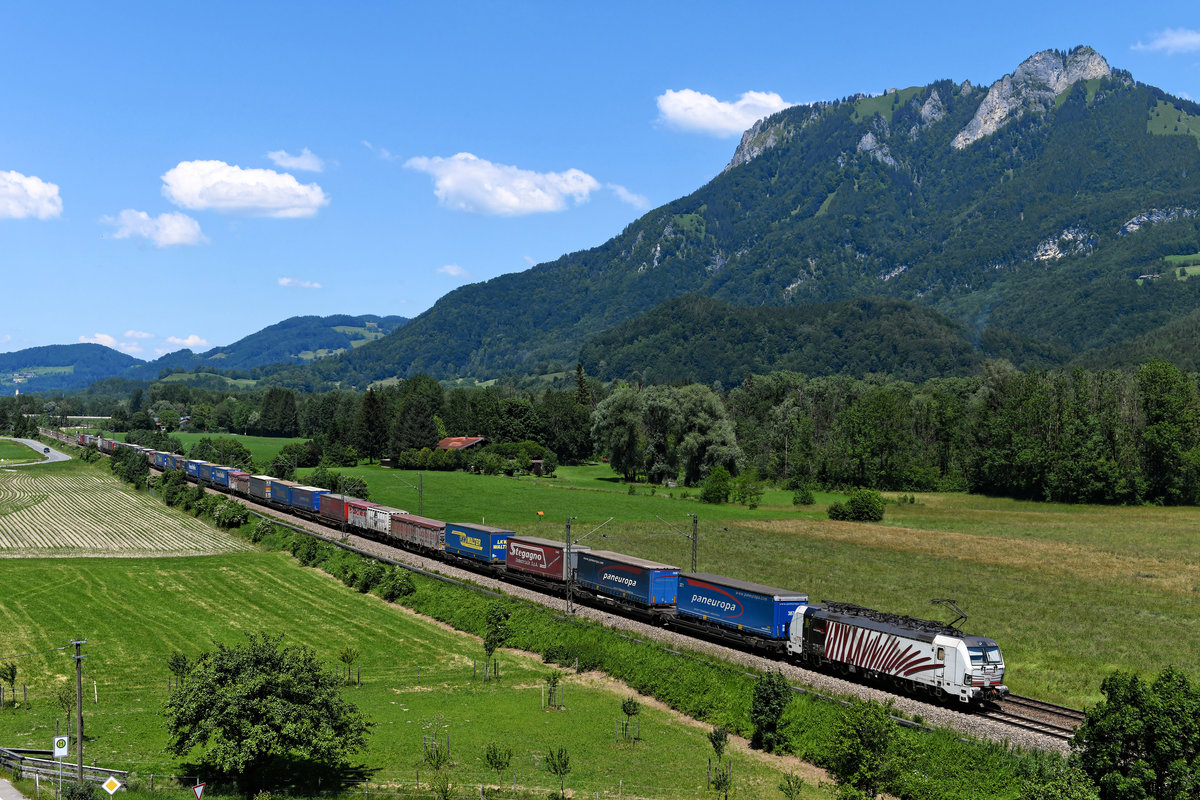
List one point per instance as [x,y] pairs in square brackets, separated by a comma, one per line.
[741,605]
[648,583]
[478,542]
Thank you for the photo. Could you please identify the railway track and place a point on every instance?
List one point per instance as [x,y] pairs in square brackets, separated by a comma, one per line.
[1045,718]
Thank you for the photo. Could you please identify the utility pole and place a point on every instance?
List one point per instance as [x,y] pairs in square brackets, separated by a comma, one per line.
[570,572]
[695,538]
[79,657]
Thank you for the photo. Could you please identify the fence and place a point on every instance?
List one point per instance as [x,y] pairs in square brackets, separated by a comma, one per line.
[28,763]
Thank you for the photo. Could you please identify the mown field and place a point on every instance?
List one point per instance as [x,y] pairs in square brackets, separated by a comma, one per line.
[72,509]
[12,451]
[262,448]
[1071,593]
[135,613]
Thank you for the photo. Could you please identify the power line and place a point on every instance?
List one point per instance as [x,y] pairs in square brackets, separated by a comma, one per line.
[39,653]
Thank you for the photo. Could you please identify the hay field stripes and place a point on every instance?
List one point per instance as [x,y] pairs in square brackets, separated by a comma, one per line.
[76,513]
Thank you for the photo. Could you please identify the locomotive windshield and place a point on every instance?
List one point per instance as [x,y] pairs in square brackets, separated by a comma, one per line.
[985,655]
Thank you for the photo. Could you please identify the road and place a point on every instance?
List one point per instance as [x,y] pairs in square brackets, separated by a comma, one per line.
[50,459]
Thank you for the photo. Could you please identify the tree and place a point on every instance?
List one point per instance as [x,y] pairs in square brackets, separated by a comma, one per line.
[791,787]
[497,758]
[414,427]
[495,629]
[178,664]
[630,707]
[260,704]
[8,674]
[278,416]
[370,426]
[64,698]
[718,737]
[616,430]
[1143,740]
[558,764]
[771,697]
[348,655]
[866,752]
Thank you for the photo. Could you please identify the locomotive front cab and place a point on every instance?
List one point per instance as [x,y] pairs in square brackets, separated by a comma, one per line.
[983,669]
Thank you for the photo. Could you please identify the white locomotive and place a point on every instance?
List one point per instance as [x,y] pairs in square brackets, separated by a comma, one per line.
[911,654]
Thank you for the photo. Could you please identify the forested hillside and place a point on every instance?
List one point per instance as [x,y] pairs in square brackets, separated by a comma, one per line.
[1038,229]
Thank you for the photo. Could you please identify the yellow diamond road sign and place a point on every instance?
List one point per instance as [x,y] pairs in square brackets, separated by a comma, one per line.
[111,785]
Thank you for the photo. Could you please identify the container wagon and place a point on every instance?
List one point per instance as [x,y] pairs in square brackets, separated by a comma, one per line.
[544,558]
[420,532]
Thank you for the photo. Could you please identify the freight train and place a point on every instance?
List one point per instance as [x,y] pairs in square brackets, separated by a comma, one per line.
[909,654]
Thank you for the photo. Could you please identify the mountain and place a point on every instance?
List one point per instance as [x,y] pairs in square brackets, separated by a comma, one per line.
[695,338]
[1025,212]
[60,366]
[294,340]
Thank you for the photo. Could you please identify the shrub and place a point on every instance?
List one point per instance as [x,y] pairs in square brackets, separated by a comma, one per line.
[863,505]
[803,497]
[395,583]
[716,486]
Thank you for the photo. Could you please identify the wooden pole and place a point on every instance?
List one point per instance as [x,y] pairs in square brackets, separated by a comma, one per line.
[79,643]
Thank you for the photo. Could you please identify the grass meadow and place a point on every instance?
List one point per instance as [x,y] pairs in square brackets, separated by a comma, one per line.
[417,677]
[12,451]
[262,448]
[1071,593]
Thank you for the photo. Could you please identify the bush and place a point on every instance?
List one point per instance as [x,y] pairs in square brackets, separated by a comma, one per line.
[803,497]
[863,505]
[261,530]
[78,791]
[716,486]
[396,583]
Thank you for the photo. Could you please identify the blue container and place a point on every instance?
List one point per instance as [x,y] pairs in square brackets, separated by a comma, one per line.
[220,476]
[196,469]
[736,604]
[307,498]
[479,542]
[627,577]
[161,460]
[281,492]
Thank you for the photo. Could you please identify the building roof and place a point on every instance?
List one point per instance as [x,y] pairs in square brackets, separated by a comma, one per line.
[459,442]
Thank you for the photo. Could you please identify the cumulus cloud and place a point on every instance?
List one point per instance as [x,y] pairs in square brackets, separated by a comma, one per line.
[191,342]
[138,335]
[99,338]
[307,160]
[24,196]
[465,182]
[695,111]
[132,348]
[1172,41]
[299,284]
[454,271]
[215,185]
[166,230]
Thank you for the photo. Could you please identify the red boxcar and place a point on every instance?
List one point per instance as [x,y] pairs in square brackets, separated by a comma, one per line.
[422,532]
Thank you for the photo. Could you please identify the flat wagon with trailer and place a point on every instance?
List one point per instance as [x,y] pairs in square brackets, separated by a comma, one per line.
[760,615]
[627,578]
[477,542]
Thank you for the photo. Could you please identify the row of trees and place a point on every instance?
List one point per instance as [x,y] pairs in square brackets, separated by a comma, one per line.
[1106,436]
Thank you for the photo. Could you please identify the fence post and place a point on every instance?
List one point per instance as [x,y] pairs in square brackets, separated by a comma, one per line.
[360,674]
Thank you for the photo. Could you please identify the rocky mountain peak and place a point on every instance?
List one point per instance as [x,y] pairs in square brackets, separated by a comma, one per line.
[1031,88]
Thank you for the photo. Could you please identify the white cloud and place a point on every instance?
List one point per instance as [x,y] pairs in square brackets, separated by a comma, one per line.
[132,348]
[1172,41]
[202,185]
[382,152]
[191,342]
[626,196]
[454,271]
[138,335]
[299,283]
[465,182]
[307,160]
[28,196]
[165,230]
[99,338]
[695,111]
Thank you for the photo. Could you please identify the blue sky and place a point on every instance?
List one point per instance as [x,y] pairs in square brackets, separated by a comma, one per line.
[185,174]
